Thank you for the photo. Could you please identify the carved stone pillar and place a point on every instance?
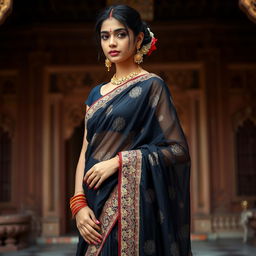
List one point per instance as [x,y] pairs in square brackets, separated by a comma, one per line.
[52,197]
[33,125]
[9,83]
[202,213]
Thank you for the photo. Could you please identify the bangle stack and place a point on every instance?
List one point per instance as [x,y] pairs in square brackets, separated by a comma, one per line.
[77,202]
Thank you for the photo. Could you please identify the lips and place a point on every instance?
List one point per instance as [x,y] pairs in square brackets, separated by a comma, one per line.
[114,53]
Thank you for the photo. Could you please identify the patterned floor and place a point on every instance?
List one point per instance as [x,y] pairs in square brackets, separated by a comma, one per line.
[213,248]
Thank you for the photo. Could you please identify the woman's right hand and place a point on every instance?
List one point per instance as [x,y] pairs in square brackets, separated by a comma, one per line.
[88,226]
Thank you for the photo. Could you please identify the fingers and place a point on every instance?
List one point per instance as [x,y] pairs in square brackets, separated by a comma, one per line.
[91,214]
[88,174]
[89,234]
[98,183]
[93,234]
[94,181]
[94,225]
[82,231]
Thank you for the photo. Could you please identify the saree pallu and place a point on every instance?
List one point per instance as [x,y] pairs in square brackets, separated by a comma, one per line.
[144,208]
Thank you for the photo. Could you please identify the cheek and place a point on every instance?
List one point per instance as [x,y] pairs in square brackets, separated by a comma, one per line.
[103,46]
[128,46]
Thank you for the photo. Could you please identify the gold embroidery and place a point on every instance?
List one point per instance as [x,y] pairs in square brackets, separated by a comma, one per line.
[108,218]
[153,158]
[109,110]
[161,118]
[103,100]
[154,100]
[176,149]
[118,124]
[129,200]
[135,92]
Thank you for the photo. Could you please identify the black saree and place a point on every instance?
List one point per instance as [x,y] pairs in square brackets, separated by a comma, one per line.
[144,208]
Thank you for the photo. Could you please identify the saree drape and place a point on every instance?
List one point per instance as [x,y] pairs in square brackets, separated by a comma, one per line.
[144,209]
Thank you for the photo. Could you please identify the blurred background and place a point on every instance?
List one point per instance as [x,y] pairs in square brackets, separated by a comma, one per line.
[49,62]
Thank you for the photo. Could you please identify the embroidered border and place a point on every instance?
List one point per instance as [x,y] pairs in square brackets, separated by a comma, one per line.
[104,99]
[129,202]
[108,219]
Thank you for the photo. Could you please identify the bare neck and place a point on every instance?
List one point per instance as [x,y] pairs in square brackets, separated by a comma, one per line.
[124,69]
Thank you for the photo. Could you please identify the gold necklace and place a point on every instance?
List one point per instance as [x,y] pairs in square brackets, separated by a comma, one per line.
[117,81]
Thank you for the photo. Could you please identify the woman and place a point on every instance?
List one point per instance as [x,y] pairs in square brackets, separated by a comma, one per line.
[132,179]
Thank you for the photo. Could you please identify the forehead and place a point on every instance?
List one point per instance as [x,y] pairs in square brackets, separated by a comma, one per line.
[111,24]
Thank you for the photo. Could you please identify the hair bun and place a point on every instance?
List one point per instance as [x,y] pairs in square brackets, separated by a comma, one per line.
[147,36]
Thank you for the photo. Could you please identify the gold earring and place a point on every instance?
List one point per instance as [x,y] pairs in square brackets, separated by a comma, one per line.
[138,57]
[108,64]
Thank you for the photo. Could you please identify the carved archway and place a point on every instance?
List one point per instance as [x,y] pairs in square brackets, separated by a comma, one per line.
[6,136]
[5,9]
[244,127]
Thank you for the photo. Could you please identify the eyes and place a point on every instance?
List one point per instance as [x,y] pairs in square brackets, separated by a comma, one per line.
[119,35]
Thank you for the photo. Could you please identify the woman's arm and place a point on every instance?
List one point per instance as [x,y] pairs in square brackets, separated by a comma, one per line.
[86,221]
[80,165]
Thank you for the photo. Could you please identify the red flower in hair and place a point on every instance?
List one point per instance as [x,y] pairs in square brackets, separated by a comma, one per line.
[153,46]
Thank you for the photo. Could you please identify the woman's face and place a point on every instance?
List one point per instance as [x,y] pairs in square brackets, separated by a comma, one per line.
[117,42]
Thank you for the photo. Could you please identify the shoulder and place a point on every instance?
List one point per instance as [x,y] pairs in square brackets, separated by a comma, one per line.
[92,94]
[155,81]
[96,88]
[157,85]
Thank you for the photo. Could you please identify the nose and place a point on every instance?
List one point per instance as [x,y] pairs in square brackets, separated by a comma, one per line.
[112,41]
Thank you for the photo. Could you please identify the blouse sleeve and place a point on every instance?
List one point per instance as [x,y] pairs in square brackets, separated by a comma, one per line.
[90,97]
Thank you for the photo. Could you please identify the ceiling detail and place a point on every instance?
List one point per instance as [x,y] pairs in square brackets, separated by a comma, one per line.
[249,7]
[5,9]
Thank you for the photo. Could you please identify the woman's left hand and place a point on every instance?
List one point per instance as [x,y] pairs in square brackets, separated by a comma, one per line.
[101,171]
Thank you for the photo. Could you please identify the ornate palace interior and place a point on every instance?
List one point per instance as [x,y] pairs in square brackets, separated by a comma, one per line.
[49,62]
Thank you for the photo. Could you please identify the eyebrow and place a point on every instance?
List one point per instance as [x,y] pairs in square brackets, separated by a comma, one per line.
[116,30]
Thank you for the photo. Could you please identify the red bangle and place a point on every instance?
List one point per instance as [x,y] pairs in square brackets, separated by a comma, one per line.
[77,209]
[76,197]
[77,203]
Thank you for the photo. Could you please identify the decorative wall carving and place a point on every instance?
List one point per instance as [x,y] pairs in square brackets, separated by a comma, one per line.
[244,126]
[181,79]
[243,79]
[242,115]
[66,82]
[5,9]
[73,118]
[170,10]
[7,123]
[249,7]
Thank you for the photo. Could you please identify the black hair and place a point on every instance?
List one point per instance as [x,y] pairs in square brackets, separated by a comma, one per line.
[126,15]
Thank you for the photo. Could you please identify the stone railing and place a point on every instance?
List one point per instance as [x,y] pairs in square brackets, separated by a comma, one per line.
[14,232]
[226,222]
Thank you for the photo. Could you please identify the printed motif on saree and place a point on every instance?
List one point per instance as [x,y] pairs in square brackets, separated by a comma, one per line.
[149,197]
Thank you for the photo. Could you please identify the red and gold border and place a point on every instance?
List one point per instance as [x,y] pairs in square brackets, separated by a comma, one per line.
[123,205]
[104,99]
[108,219]
[128,202]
